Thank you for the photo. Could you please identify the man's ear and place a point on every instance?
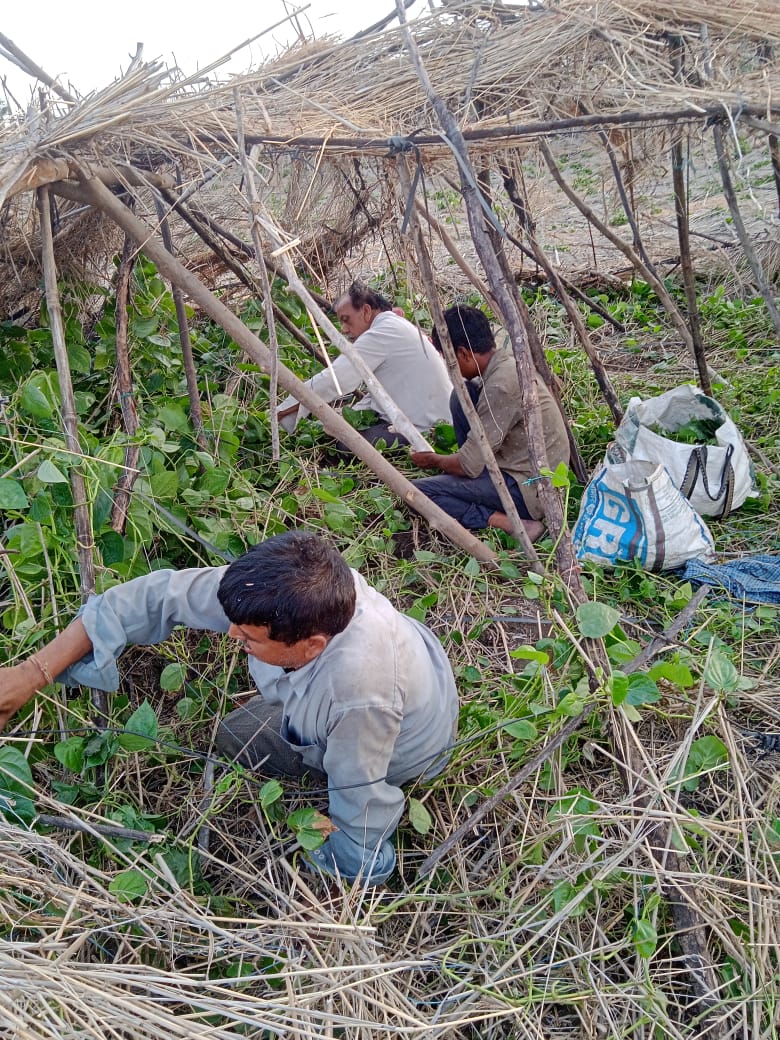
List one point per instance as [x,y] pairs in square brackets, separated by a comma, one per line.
[315,645]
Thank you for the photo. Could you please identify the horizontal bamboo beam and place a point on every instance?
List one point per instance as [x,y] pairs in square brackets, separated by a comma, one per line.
[514,131]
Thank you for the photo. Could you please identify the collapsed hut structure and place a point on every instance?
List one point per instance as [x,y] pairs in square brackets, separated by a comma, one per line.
[323,164]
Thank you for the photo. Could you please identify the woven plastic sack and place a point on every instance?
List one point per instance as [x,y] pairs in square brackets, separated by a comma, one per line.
[716,479]
[632,511]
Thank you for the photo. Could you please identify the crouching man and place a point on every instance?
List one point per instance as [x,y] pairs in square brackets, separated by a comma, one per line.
[352,690]
[465,489]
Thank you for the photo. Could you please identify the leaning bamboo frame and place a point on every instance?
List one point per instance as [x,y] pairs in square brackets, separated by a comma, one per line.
[94,192]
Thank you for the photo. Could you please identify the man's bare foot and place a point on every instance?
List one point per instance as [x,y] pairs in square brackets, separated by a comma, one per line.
[534,528]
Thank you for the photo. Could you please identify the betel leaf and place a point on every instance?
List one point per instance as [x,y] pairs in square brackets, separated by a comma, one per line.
[645,937]
[16,786]
[311,827]
[720,674]
[70,753]
[34,402]
[172,677]
[48,473]
[12,494]
[129,885]
[595,620]
[706,753]
[419,817]
[140,729]
[530,653]
[164,484]
[522,729]
[673,672]
[642,690]
[270,792]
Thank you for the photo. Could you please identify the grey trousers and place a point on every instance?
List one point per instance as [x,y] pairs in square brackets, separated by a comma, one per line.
[251,735]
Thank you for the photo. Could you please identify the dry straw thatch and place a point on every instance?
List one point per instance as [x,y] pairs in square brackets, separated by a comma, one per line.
[521,932]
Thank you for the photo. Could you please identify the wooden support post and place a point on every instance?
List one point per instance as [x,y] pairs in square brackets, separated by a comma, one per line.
[124,379]
[268,303]
[426,270]
[82,520]
[686,265]
[550,498]
[658,287]
[97,195]
[191,376]
[739,226]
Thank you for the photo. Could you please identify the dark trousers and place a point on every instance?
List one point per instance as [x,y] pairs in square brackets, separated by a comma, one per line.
[470,500]
[373,434]
[251,735]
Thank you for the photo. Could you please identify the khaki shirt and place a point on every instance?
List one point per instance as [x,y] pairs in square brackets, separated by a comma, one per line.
[500,409]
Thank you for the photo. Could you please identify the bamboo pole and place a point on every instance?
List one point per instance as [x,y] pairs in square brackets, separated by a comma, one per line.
[124,378]
[97,195]
[396,417]
[82,520]
[191,376]
[686,265]
[541,364]
[550,499]
[273,343]
[658,287]
[211,234]
[513,131]
[475,423]
[560,290]
[739,227]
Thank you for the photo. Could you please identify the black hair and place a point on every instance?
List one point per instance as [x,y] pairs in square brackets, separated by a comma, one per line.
[295,583]
[359,295]
[468,327]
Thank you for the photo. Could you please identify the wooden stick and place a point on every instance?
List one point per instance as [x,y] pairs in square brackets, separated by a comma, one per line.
[739,226]
[686,265]
[273,343]
[550,498]
[513,132]
[449,244]
[683,232]
[658,287]
[82,520]
[124,379]
[210,232]
[464,397]
[396,417]
[96,194]
[106,830]
[196,412]
[560,290]
[32,69]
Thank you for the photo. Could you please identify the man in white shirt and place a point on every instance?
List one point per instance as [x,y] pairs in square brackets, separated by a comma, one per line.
[353,692]
[400,356]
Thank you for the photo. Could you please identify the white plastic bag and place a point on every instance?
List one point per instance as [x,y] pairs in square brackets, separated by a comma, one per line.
[715,478]
[633,511]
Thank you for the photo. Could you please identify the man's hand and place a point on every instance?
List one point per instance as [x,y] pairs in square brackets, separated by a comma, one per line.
[426,459]
[446,463]
[18,684]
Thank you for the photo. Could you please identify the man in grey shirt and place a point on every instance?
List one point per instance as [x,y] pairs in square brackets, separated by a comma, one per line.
[352,690]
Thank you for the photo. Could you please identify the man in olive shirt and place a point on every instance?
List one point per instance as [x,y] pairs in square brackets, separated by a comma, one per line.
[465,489]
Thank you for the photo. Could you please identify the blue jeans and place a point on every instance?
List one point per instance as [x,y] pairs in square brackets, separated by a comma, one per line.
[470,500]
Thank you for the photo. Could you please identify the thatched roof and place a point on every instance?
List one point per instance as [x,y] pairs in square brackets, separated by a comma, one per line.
[506,73]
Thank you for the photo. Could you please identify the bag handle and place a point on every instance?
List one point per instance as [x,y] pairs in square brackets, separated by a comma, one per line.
[697,466]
